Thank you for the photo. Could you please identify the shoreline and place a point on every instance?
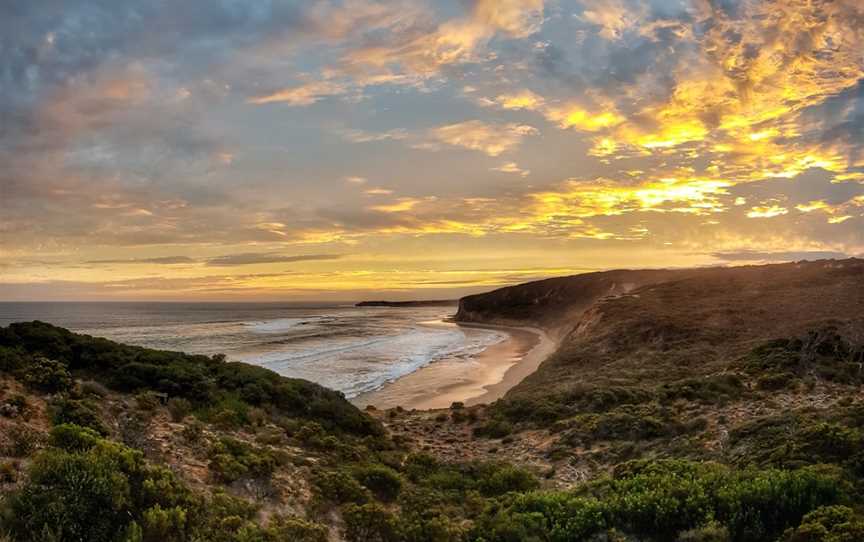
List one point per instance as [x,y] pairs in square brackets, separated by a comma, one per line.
[483,378]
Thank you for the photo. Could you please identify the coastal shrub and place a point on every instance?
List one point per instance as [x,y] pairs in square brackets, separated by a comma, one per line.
[81,412]
[662,500]
[148,401]
[91,387]
[370,523]
[296,530]
[712,532]
[775,381]
[828,524]
[763,504]
[796,439]
[73,438]
[494,428]
[89,488]
[11,358]
[232,459]
[824,353]
[383,482]
[22,440]
[72,496]
[46,375]
[503,479]
[8,473]
[711,389]
[627,423]
[179,408]
[338,487]
[419,465]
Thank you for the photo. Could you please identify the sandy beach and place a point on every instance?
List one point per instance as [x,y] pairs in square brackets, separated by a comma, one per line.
[483,378]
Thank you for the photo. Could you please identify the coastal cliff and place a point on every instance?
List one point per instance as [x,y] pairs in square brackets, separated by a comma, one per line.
[554,304]
[706,315]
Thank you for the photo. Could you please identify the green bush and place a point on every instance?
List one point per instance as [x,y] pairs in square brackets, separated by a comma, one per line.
[232,459]
[662,500]
[828,524]
[370,523]
[100,491]
[81,412]
[91,387]
[383,481]
[712,532]
[503,479]
[73,438]
[339,487]
[494,428]
[46,375]
[297,530]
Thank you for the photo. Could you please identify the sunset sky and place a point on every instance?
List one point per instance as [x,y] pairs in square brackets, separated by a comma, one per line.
[341,150]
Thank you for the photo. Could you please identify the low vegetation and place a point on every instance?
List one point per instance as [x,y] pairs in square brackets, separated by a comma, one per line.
[124,444]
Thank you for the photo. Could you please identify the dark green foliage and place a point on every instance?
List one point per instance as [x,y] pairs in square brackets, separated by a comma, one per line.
[633,423]
[828,524]
[75,496]
[802,464]
[712,389]
[12,358]
[494,428]
[232,459]
[93,388]
[8,472]
[92,491]
[295,530]
[339,487]
[370,523]
[88,488]
[46,375]
[81,412]
[73,438]
[823,353]
[202,380]
[382,481]
[662,499]
[797,439]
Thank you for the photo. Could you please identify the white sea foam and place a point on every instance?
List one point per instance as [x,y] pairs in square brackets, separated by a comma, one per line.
[280,324]
[354,350]
[358,365]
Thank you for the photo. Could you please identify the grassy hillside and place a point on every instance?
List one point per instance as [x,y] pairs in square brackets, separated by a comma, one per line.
[708,405]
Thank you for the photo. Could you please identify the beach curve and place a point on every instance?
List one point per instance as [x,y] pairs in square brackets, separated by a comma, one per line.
[483,378]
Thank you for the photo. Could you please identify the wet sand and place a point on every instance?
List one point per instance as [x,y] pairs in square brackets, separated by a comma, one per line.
[482,378]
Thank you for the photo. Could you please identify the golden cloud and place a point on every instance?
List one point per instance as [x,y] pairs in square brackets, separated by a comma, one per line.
[512,167]
[306,94]
[767,211]
[612,16]
[519,18]
[491,139]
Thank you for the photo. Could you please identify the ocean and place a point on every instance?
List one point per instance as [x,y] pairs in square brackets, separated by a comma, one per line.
[351,349]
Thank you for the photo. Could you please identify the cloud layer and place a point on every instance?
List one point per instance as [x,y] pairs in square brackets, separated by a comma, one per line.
[149,143]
